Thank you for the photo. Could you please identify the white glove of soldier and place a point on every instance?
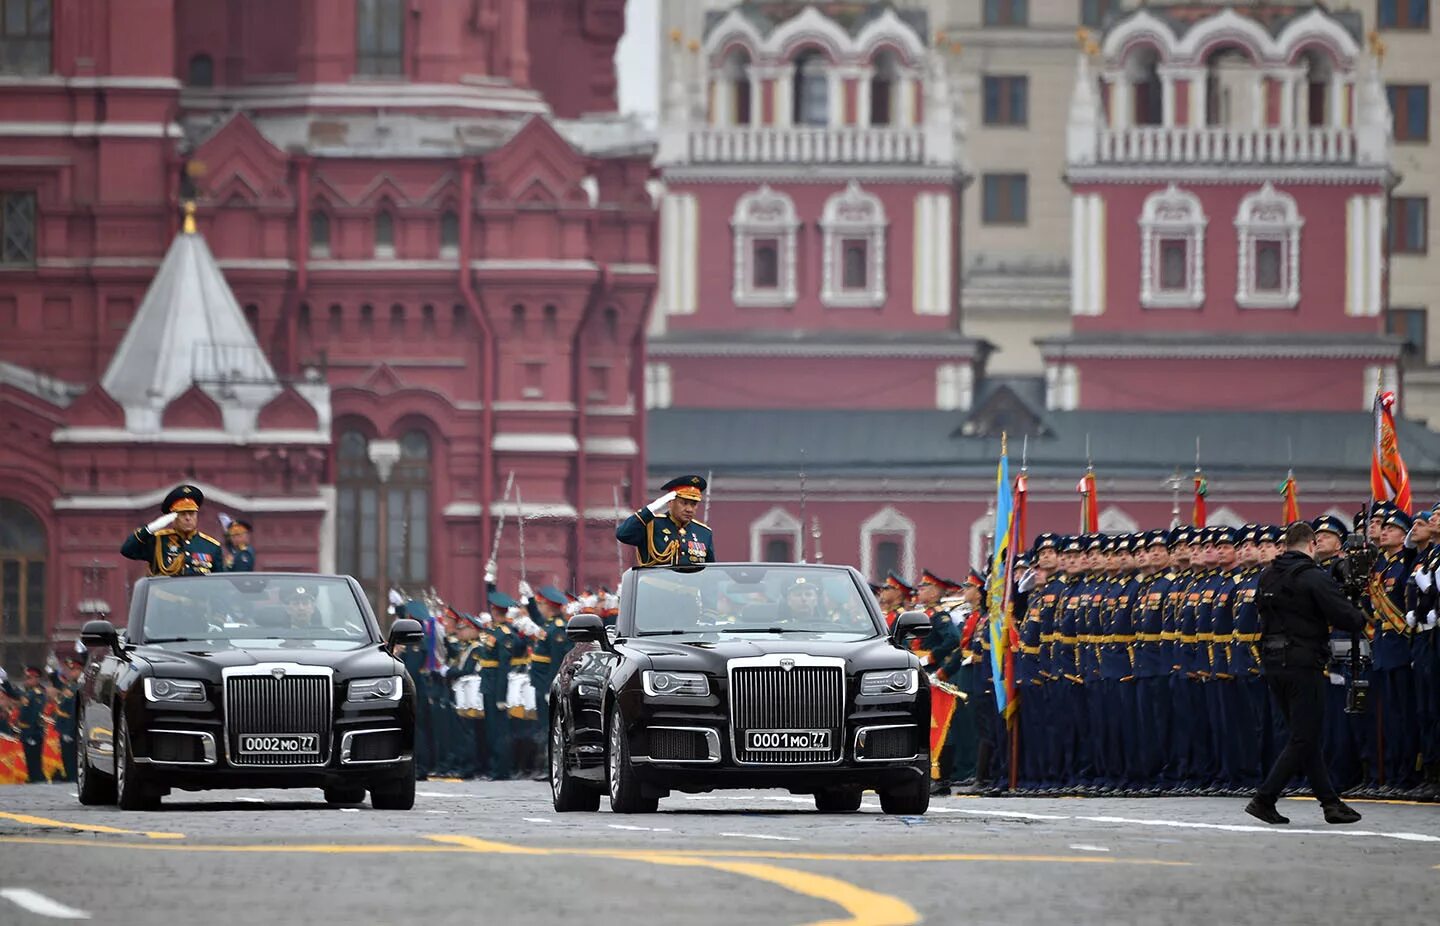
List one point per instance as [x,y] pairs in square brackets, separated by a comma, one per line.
[661,504]
[1410,619]
[490,572]
[526,592]
[1027,580]
[1430,619]
[225,521]
[160,523]
[1423,580]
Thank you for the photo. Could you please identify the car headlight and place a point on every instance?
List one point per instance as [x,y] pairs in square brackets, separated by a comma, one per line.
[890,682]
[174,689]
[675,684]
[374,689]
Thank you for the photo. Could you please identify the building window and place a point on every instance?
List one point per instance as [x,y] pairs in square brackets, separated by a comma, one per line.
[1006,199]
[812,90]
[1094,12]
[17,229]
[319,234]
[1172,250]
[887,542]
[449,234]
[765,225]
[775,537]
[1007,100]
[1410,103]
[1062,387]
[954,386]
[853,269]
[778,550]
[1404,14]
[1409,221]
[383,518]
[25,37]
[201,72]
[384,235]
[1268,270]
[883,82]
[380,38]
[1410,325]
[657,385]
[23,560]
[1007,12]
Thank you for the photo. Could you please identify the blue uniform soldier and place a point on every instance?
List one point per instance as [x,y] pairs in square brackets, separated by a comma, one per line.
[239,554]
[1393,674]
[31,728]
[415,656]
[172,545]
[1343,737]
[665,532]
[1151,658]
[551,644]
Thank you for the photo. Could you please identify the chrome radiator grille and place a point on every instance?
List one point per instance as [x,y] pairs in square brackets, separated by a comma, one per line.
[292,704]
[801,698]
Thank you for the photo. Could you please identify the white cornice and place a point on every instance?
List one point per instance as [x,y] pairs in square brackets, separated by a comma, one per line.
[548,265]
[534,510]
[751,174]
[961,351]
[1298,175]
[208,437]
[21,129]
[534,443]
[1217,351]
[366,95]
[213,496]
[383,265]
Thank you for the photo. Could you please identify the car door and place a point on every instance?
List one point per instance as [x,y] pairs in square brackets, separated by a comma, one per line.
[97,721]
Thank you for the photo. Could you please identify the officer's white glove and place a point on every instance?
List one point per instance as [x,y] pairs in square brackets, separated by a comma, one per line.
[1430,619]
[1027,580]
[1423,580]
[526,592]
[1336,678]
[661,504]
[490,572]
[162,522]
[1410,619]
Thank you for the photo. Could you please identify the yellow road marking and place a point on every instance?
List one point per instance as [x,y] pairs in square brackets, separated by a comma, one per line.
[85,827]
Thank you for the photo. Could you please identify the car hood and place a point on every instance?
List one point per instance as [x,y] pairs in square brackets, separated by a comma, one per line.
[207,659]
[711,655]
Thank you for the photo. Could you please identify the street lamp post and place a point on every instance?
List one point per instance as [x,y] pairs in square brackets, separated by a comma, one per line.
[384,454]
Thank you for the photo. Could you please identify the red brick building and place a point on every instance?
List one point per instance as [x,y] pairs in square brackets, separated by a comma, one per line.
[436,237]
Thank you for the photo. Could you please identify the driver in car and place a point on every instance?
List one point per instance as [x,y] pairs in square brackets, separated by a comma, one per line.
[800,603]
[300,607]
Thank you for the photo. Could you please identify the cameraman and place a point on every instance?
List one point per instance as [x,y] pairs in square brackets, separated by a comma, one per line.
[1298,604]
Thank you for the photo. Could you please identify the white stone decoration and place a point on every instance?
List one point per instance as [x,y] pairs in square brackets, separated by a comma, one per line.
[776,521]
[1115,521]
[1172,214]
[1268,215]
[887,522]
[764,214]
[849,215]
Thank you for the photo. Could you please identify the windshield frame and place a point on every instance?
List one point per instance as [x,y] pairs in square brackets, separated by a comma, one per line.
[140,605]
[630,582]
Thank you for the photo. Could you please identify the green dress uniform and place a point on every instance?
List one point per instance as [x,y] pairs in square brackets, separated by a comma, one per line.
[548,648]
[32,723]
[659,541]
[67,722]
[168,552]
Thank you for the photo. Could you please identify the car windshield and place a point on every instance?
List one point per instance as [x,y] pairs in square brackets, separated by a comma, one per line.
[752,599]
[252,606]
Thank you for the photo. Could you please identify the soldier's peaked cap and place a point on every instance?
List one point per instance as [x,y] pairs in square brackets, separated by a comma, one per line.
[183,498]
[691,487]
[930,577]
[1329,522]
[1046,541]
[1397,518]
[499,599]
[894,581]
[551,594]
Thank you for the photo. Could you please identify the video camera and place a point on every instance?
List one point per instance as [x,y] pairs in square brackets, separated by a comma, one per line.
[1352,572]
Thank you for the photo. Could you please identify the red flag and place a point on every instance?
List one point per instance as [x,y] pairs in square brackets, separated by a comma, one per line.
[1089,504]
[1389,480]
[1022,487]
[1202,489]
[1292,500]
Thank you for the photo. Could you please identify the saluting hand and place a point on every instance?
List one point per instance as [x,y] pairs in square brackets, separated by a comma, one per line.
[162,522]
[661,504]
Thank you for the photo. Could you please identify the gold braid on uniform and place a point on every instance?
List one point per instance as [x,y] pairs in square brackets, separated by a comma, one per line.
[161,568]
[667,557]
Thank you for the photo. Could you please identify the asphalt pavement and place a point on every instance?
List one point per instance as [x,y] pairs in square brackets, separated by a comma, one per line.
[496,853]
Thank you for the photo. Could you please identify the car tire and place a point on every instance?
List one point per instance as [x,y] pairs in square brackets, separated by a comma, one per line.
[838,800]
[344,794]
[132,791]
[909,800]
[399,794]
[94,788]
[567,793]
[625,793]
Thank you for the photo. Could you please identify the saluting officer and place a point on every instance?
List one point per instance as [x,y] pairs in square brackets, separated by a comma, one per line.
[181,549]
[665,532]
[239,555]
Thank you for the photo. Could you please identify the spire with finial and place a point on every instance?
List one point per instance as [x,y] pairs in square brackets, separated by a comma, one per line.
[188,226]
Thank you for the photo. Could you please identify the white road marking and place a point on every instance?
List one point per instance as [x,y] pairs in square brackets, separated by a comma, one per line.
[643,829]
[1280,830]
[251,800]
[440,794]
[41,905]
[1081,847]
[526,819]
[437,811]
[1015,814]
[349,809]
[761,836]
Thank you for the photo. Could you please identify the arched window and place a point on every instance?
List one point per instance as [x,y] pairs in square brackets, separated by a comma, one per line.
[383,516]
[319,234]
[201,72]
[1172,257]
[883,84]
[887,541]
[408,513]
[357,520]
[612,324]
[735,90]
[765,226]
[517,320]
[853,269]
[552,322]
[25,32]
[1268,229]
[449,234]
[384,234]
[775,537]
[23,553]
[812,90]
[380,38]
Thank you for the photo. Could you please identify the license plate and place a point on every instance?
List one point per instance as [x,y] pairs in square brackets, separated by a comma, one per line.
[787,740]
[280,744]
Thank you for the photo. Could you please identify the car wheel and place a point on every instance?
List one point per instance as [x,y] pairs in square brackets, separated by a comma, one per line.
[567,793]
[625,794]
[344,794]
[399,794]
[910,800]
[91,787]
[132,792]
[838,800]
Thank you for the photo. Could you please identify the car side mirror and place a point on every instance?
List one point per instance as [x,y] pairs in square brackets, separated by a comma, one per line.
[99,633]
[406,631]
[587,628]
[909,624]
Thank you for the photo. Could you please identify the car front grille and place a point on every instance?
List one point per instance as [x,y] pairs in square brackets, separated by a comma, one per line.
[288,704]
[799,698]
[880,743]
[177,747]
[381,746]
[678,745]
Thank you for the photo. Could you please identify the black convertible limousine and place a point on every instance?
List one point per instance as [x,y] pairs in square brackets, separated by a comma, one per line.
[741,675]
[246,680]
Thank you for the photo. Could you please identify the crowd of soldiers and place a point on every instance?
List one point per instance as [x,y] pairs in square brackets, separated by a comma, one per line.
[40,707]
[1137,669]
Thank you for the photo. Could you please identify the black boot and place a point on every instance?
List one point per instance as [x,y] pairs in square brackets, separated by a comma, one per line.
[1341,812]
[1265,811]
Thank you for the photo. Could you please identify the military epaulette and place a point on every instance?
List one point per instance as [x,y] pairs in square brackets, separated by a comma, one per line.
[165,532]
[207,537]
[700,524]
